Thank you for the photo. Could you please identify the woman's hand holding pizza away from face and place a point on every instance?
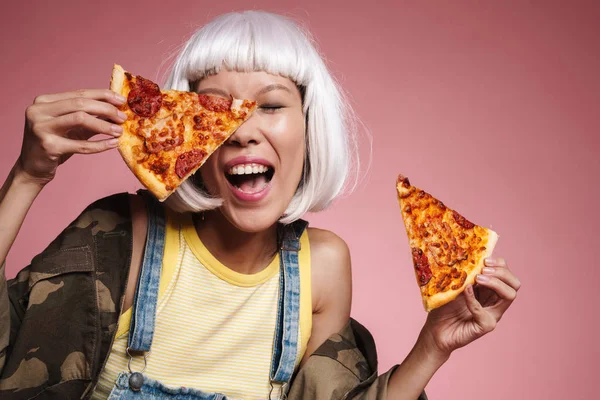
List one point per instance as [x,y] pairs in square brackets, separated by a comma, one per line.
[464,289]
[475,312]
[60,125]
[471,315]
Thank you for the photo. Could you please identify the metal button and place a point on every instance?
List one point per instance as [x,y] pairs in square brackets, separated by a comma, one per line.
[136,381]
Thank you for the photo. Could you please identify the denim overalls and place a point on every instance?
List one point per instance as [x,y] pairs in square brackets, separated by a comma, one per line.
[136,385]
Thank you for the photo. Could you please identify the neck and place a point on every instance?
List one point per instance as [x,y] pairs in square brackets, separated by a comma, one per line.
[243,252]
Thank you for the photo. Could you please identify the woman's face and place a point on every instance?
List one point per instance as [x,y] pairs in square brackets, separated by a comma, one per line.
[256,172]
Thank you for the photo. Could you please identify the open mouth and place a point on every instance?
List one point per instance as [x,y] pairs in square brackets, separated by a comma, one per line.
[250,178]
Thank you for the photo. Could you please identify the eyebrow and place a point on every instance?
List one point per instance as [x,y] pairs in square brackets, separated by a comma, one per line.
[274,86]
[266,89]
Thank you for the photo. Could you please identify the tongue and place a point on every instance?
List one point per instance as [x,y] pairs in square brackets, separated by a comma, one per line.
[253,183]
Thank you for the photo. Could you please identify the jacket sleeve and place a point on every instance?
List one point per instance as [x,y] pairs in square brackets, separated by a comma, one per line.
[344,367]
[12,294]
[104,215]
[377,389]
[4,317]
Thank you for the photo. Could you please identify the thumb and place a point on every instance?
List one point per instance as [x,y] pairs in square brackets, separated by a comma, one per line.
[484,321]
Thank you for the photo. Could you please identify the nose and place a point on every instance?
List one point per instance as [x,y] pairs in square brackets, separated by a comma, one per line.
[247,134]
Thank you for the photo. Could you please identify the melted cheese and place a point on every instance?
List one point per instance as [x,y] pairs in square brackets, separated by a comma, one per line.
[451,244]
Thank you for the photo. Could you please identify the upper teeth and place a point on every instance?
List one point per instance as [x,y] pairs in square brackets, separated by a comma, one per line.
[242,169]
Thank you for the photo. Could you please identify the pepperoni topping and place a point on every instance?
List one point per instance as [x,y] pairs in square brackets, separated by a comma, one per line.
[421,266]
[159,146]
[159,167]
[404,180]
[188,161]
[214,103]
[462,221]
[144,97]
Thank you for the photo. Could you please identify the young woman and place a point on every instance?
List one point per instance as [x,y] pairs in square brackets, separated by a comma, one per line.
[222,291]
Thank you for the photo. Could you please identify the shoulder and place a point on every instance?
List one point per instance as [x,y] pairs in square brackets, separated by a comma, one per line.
[326,247]
[330,265]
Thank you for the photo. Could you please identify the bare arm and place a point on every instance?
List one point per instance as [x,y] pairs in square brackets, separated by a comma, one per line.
[331,267]
[16,197]
[412,376]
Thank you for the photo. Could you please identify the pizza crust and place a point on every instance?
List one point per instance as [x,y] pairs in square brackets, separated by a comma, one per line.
[439,299]
[126,143]
[117,79]
[128,140]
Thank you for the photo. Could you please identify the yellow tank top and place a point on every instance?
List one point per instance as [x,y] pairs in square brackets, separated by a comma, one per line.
[214,327]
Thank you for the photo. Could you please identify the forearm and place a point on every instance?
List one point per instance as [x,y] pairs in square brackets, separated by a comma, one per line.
[16,197]
[410,378]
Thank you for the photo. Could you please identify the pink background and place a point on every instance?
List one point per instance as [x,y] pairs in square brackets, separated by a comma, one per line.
[492,106]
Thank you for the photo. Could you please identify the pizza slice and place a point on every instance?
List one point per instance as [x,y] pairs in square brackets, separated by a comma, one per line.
[169,134]
[448,251]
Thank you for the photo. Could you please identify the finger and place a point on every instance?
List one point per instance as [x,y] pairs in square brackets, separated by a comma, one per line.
[80,119]
[80,104]
[484,321]
[501,288]
[504,274]
[496,262]
[506,294]
[96,94]
[69,146]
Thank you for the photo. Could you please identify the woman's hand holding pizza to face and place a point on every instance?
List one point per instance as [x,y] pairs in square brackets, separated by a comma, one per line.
[475,312]
[56,127]
[60,125]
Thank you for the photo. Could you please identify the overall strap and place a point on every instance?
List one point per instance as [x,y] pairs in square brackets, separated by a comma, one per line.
[285,346]
[141,329]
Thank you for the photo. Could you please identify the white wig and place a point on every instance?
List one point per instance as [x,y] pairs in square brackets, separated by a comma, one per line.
[260,41]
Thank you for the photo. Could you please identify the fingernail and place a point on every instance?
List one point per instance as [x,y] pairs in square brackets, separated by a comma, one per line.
[470,290]
[116,129]
[122,116]
[488,270]
[112,142]
[490,261]
[482,278]
[120,98]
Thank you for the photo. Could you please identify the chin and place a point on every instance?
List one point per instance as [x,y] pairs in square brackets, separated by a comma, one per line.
[251,220]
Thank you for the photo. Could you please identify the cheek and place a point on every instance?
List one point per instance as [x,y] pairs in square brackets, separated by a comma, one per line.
[288,140]
[288,134]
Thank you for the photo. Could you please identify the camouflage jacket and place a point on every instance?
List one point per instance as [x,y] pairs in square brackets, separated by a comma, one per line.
[58,318]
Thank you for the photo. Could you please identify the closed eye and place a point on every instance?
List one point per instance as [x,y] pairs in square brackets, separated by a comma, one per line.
[270,107]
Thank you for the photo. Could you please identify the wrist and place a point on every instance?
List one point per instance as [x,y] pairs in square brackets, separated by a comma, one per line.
[22,178]
[412,376]
[428,347]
